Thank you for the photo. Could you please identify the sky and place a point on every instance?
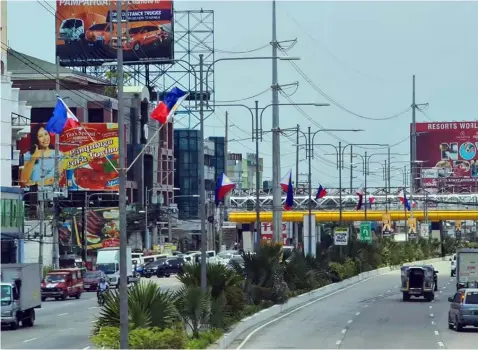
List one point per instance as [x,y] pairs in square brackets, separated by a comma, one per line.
[360,55]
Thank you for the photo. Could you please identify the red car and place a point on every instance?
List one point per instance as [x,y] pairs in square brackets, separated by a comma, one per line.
[91,279]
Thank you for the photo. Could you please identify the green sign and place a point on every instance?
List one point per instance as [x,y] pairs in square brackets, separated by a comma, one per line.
[365,232]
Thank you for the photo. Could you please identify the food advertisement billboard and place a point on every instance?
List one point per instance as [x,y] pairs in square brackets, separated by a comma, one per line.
[86,32]
[447,152]
[88,157]
[102,228]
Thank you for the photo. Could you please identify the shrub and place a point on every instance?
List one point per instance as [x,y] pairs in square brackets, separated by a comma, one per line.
[142,338]
[204,340]
[148,306]
[194,307]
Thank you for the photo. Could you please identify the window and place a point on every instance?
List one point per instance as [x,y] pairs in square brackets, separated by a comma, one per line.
[471,298]
[457,298]
[100,26]
[193,144]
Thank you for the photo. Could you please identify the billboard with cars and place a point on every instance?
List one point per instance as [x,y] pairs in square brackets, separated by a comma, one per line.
[86,31]
[88,157]
[448,156]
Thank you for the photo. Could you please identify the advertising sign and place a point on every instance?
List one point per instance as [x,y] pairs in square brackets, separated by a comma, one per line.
[365,232]
[86,32]
[412,228]
[341,236]
[448,152]
[267,232]
[88,157]
[102,228]
[386,225]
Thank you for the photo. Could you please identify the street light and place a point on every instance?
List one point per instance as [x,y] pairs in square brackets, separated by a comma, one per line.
[309,138]
[258,126]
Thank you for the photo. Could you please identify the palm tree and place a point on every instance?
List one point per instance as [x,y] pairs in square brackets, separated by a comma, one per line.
[194,307]
[148,306]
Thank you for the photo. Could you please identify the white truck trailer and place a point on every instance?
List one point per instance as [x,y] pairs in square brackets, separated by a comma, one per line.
[21,294]
[467,268]
[108,260]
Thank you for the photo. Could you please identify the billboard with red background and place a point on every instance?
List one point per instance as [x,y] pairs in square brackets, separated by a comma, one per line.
[88,157]
[448,152]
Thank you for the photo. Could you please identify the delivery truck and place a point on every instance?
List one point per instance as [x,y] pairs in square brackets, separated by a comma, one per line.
[21,294]
[467,268]
[108,260]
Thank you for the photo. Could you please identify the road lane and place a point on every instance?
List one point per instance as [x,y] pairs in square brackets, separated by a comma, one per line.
[65,324]
[369,314]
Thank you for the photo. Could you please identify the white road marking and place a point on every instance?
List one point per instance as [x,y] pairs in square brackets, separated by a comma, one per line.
[430,306]
[86,348]
[433,322]
[349,321]
[357,313]
[246,339]
[344,331]
[373,300]
[437,333]
[94,321]
[66,313]
[441,291]
[440,343]
[432,315]
[29,340]
[381,295]
[366,306]
[443,287]
[397,286]
[338,342]
[93,307]
[64,330]
[388,291]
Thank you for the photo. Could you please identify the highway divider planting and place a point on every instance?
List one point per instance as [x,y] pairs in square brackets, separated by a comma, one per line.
[241,296]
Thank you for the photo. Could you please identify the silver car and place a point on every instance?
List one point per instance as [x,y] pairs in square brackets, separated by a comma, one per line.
[463,309]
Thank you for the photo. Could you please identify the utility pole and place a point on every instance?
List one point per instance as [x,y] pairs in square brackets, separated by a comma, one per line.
[257,241]
[221,223]
[297,159]
[41,194]
[414,144]
[365,186]
[351,167]
[123,285]
[202,182]
[226,158]
[56,187]
[84,229]
[170,229]
[147,237]
[276,189]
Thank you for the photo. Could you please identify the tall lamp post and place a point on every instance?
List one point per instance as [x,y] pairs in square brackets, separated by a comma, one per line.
[256,128]
[309,138]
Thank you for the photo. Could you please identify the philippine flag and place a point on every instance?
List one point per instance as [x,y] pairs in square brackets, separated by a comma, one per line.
[62,119]
[165,109]
[289,200]
[403,198]
[360,198]
[371,200]
[223,187]
[321,192]
[284,183]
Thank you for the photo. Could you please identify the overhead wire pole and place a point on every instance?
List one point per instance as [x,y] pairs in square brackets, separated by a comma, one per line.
[55,249]
[414,147]
[123,285]
[202,182]
[276,189]
[223,205]
[257,241]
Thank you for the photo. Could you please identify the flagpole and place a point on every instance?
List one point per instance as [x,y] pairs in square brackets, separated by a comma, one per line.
[144,148]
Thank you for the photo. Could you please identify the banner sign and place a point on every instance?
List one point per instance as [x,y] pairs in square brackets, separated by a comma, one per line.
[341,236]
[387,225]
[412,228]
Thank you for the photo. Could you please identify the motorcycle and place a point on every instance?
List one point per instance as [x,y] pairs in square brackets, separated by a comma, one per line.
[101,298]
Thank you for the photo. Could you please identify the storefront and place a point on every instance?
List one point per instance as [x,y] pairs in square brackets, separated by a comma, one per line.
[12,216]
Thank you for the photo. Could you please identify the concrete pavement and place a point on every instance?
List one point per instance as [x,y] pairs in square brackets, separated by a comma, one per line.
[369,315]
[65,324]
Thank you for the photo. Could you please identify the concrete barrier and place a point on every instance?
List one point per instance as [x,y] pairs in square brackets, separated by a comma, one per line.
[262,316]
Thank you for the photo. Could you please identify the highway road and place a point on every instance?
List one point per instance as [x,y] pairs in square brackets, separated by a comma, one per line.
[368,315]
[64,324]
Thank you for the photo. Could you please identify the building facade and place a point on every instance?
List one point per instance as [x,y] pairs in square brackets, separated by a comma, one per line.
[186,175]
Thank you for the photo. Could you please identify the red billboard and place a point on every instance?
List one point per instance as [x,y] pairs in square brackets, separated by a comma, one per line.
[88,157]
[448,154]
[86,31]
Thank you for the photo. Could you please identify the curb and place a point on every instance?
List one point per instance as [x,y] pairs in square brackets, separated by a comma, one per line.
[226,340]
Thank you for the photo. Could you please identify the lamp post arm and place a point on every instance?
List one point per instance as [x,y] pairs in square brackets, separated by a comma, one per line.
[243,106]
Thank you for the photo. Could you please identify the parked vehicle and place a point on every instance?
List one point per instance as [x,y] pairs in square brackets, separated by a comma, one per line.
[466,268]
[170,266]
[107,261]
[453,266]
[91,279]
[20,293]
[463,309]
[100,33]
[419,280]
[62,283]
[144,35]
[73,28]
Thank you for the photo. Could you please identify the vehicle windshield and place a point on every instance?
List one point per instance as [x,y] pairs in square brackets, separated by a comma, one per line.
[100,26]
[156,263]
[109,268]
[471,298]
[6,295]
[55,278]
[224,255]
[93,274]
[135,30]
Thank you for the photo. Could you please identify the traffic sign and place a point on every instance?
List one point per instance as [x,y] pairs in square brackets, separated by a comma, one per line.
[366,232]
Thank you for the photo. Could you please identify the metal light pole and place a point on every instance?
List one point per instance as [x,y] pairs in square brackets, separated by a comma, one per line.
[258,204]
[123,285]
